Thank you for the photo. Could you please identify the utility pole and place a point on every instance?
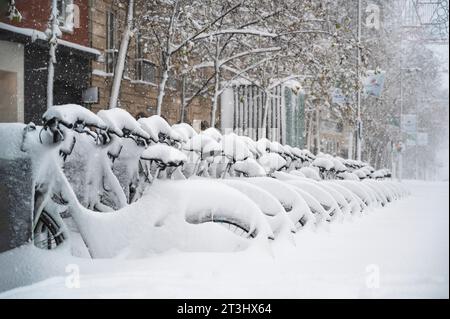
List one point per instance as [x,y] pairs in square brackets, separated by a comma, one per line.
[183,98]
[318,130]
[415,148]
[53,41]
[400,155]
[358,120]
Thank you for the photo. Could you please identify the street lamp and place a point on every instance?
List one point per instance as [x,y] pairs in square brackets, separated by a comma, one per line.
[358,120]
[400,157]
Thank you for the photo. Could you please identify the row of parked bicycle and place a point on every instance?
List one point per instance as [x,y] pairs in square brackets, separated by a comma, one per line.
[85,163]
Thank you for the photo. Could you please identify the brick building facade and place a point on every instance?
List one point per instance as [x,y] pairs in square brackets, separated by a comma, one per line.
[139,87]
[86,57]
[25,53]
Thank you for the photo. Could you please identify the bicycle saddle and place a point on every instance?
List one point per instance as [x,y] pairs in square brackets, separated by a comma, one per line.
[164,155]
[158,129]
[71,115]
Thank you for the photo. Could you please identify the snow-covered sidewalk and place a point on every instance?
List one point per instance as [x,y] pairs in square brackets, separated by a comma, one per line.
[401,251]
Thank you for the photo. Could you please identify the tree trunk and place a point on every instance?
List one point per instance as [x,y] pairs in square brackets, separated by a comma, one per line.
[166,57]
[266,114]
[309,132]
[162,86]
[120,65]
[216,95]
[183,98]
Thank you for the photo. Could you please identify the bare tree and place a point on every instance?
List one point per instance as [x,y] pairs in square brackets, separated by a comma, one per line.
[118,70]
[172,31]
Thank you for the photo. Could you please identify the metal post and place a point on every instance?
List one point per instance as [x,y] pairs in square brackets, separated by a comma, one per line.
[358,121]
[400,155]
[415,148]
[317,131]
[52,53]
[183,98]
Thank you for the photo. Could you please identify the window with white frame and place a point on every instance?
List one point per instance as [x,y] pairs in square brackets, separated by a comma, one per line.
[66,16]
[145,69]
[111,42]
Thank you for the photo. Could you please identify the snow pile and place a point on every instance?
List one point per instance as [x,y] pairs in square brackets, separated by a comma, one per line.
[214,133]
[322,196]
[158,128]
[71,114]
[250,168]
[88,170]
[316,209]
[361,173]
[355,203]
[411,252]
[11,141]
[283,176]
[126,166]
[251,144]
[184,130]
[338,165]
[360,190]
[323,162]
[272,162]
[296,207]
[311,172]
[276,147]
[165,154]
[348,176]
[344,203]
[202,144]
[192,213]
[298,153]
[263,145]
[309,155]
[275,214]
[171,215]
[381,196]
[298,173]
[121,122]
[235,148]
[379,174]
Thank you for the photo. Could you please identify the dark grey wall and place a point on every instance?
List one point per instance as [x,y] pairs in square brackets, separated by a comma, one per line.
[16,202]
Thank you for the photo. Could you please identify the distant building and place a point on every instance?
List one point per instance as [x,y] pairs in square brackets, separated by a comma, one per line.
[242,111]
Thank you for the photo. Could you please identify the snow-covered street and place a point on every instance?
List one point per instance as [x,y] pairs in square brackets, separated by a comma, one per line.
[400,251]
[239,149]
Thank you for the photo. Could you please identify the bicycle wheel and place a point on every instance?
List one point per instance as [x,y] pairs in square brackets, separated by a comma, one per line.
[47,232]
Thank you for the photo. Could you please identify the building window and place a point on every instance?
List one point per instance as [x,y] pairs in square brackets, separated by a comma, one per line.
[145,69]
[111,41]
[65,15]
